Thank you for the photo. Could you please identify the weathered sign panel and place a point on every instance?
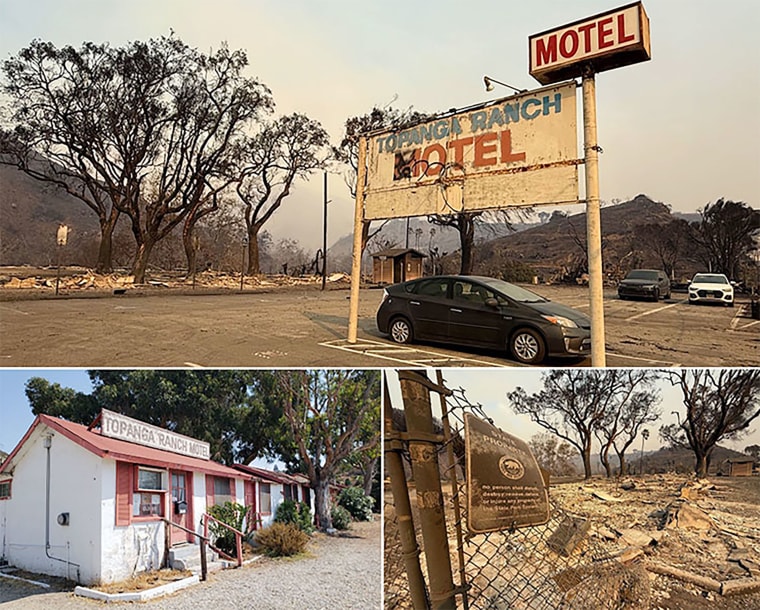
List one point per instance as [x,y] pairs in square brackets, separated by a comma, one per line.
[505,486]
[125,428]
[609,40]
[519,150]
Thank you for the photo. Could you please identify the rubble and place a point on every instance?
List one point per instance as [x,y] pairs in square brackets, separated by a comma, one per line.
[73,280]
[702,534]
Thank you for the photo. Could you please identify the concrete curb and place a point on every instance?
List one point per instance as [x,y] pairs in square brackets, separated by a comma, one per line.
[139,596]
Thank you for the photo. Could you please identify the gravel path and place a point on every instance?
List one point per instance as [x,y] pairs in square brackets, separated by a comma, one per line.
[337,573]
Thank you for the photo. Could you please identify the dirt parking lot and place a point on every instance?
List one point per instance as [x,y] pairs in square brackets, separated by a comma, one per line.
[303,326]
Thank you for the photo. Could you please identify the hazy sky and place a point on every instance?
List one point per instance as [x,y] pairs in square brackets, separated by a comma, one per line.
[489,388]
[683,128]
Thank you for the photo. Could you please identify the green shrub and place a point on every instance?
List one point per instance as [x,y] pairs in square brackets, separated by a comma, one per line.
[341,518]
[356,503]
[282,539]
[297,513]
[233,515]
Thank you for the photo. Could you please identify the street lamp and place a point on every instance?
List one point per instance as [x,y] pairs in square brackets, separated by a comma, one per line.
[644,436]
[490,81]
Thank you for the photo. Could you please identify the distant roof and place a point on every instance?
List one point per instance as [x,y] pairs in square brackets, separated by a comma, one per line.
[395,252]
[124,451]
[269,475]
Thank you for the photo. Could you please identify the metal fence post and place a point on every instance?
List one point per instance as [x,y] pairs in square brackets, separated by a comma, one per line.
[423,448]
[392,448]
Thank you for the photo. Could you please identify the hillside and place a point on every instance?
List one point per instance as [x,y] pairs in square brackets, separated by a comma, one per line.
[31,212]
[556,249]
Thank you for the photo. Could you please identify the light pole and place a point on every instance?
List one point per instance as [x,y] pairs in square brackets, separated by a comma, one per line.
[324,234]
[242,266]
[644,436]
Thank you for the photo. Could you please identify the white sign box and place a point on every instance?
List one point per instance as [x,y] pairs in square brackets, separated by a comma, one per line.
[125,428]
[609,40]
[519,150]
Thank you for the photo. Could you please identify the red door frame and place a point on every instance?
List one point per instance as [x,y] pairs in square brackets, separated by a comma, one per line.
[249,495]
[179,536]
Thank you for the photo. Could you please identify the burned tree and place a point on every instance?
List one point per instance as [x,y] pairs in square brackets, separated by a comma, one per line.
[142,130]
[269,163]
[348,150]
[720,404]
[724,235]
[633,404]
[574,404]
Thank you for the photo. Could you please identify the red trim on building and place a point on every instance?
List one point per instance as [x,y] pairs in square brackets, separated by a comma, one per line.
[124,473]
[119,450]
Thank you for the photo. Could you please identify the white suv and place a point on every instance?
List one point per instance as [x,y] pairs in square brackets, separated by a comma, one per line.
[711,288]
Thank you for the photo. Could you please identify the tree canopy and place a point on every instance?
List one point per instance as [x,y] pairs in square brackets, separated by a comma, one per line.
[720,404]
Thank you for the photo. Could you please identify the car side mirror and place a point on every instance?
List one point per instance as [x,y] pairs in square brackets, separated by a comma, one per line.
[492,302]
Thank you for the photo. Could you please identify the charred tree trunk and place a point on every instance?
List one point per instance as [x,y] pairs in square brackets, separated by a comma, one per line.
[105,249]
[466,224]
[254,265]
[586,463]
[142,257]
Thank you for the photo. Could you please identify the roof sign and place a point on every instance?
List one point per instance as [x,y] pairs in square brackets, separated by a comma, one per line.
[125,428]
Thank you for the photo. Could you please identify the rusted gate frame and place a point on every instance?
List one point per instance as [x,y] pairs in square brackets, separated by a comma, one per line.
[393,447]
[423,449]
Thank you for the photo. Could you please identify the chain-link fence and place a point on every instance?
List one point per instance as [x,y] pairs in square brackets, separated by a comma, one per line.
[557,565]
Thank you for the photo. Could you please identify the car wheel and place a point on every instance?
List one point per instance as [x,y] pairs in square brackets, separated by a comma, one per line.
[656,295]
[667,295]
[528,346]
[401,330]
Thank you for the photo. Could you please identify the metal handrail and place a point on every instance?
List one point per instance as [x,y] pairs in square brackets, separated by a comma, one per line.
[238,538]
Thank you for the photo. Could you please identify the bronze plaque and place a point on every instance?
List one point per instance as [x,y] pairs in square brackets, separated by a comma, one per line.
[505,486]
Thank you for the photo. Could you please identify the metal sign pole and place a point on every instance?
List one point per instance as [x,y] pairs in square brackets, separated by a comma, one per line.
[356,267]
[324,235]
[593,221]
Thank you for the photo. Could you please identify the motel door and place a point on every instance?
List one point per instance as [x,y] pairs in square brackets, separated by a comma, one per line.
[181,506]
[250,503]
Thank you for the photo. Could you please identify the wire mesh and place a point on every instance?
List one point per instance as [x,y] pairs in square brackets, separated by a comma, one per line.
[523,569]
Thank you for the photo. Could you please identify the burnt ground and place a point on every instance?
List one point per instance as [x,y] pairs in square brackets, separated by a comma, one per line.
[104,321]
[728,528]
[640,522]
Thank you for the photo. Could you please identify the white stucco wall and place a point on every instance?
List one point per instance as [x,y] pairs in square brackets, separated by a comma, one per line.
[278,497]
[127,549]
[75,475]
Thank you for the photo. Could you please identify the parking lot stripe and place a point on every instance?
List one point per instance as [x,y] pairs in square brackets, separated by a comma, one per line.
[748,325]
[648,360]
[377,349]
[651,311]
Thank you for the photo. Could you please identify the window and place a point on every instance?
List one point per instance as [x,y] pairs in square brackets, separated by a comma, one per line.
[150,479]
[5,490]
[291,492]
[265,497]
[222,490]
[148,496]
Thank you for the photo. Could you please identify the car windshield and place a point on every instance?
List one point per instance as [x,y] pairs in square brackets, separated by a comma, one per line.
[707,278]
[521,295]
[641,274]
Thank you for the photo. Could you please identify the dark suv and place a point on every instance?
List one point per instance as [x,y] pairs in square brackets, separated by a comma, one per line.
[645,284]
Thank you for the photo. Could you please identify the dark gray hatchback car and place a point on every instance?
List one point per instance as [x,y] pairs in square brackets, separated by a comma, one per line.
[483,312]
[648,284]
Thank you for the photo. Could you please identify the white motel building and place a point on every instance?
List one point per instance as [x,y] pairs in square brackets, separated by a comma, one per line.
[93,504]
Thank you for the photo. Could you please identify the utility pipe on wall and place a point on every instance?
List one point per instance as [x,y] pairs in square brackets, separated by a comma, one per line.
[47,443]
